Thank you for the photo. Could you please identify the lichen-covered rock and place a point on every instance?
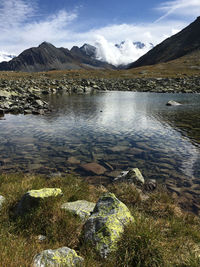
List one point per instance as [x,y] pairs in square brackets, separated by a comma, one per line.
[61,257]
[81,208]
[132,176]
[2,199]
[33,197]
[106,223]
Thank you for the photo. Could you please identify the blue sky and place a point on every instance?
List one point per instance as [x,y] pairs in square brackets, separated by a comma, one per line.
[27,23]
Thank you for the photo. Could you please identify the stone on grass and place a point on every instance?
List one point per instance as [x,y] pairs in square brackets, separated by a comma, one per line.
[61,257]
[81,208]
[32,198]
[106,224]
[132,176]
[2,200]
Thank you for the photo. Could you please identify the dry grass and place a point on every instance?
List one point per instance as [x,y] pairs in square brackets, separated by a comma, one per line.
[160,236]
[185,66]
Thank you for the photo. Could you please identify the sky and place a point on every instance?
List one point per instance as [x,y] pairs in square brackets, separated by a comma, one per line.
[64,23]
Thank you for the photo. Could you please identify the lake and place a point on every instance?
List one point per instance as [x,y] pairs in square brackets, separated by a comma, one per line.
[118,130]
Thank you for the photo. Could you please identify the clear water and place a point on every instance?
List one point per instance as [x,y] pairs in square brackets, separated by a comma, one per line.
[122,129]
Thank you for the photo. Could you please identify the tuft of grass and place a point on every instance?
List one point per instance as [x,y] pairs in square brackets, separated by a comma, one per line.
[140,245]
[160,236]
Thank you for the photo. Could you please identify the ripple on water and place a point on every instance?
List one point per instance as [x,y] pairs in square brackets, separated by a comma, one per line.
[133,130]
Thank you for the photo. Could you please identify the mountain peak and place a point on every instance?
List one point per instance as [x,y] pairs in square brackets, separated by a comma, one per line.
[46,44]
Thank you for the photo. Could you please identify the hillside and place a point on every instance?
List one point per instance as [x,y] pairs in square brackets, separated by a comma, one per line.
[180,44]
[47,57]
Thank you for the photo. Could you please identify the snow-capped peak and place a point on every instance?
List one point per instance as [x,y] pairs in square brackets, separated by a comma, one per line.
[5,56]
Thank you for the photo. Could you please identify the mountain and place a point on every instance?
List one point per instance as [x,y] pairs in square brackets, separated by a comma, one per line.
[138,45]
[47,57]
[178,45]
[5,56]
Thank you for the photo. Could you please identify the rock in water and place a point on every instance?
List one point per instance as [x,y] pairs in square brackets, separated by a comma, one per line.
[93,168]
[173,103]
[32,198]
[106,224]
[61,257]
[81,208]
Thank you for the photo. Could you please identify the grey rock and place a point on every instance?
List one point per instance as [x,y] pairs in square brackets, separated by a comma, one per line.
[2,200]
[132,176]
[106,224]
[173,103]
[81,208]
[32,199]
[61,257]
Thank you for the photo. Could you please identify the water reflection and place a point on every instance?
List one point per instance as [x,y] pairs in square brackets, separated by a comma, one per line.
[122,129]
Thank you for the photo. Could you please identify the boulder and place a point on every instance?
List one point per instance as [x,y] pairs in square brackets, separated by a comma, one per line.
[132,176]
[93,168]
[32,198]
[61,257]
[173,103]
[106,224]
[81,208]
[2,200]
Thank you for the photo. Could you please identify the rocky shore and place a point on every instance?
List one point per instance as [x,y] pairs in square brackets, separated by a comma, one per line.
[24,95]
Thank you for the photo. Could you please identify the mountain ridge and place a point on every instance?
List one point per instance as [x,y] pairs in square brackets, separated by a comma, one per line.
[184,42]
[47,57]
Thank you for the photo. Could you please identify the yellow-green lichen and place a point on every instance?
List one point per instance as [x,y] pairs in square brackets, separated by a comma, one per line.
[59,258]
[109,218]
[45,192]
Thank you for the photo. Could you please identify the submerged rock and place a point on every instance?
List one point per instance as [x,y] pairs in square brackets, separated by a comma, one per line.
[93,168]
[58,258]
[81,208]
[106,224]
[32,198]
[173,103]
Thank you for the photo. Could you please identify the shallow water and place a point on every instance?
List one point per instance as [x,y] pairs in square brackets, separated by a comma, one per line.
[122,129]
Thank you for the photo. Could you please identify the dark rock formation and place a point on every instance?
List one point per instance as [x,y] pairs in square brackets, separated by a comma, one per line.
[180,44]
[47,57]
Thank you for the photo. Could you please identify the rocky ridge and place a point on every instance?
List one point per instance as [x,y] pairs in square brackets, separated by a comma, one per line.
[25,95]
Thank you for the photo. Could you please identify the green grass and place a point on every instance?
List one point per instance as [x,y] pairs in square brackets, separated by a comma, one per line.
[162,235]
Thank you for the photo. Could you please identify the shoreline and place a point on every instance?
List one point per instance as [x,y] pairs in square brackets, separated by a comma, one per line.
[25,95]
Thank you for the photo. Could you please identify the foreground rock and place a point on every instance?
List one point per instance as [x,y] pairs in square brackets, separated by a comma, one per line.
[132,176]
[2,200]
[106,224]
[33,197]
[81,208]
[58,258]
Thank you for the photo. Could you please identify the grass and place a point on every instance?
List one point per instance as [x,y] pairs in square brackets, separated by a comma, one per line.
[185,66]
[162,235]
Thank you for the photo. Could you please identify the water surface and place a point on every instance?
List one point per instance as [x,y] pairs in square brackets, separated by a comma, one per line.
[121,129]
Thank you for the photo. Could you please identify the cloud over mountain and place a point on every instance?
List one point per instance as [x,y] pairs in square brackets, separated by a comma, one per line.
[120,54]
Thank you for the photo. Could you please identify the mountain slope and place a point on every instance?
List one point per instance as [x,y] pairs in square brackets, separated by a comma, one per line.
[180,44]
[47,57]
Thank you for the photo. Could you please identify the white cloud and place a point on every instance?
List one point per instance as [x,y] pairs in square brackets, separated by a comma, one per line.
[22,27]
[179,8]
[126,53]
[14,12]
